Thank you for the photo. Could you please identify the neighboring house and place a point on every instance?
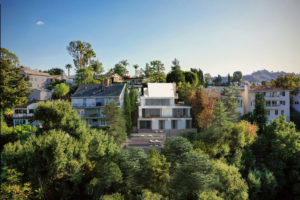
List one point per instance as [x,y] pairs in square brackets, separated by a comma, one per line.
[40,95]
[137,80]
[24,114]
[89,101]
[158,111]
[277,101]
[114,78]
[296,101]
[38,80]
[241,101]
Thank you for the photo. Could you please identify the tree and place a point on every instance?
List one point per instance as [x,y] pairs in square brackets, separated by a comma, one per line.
[176,75]
[81,52]
[229,80]
[155,172]
[68,67]
[193,174]
[260,112]
[220,114]
[199,73]
[207,78]
[127,110]
[89,54]
[58,115]
[97,67]
[136,66]
[185,91]
[121,68]
[203,102]
[191,77]
[236,187]
[13,87]
[116,122]
[155,71]
[231,97]
[148,195]
[85,76]
[288,81]
[61,90]
[13,188]
[237,77]
[218,81]
[55,71]
[133,95]
[175,147]
[277,150]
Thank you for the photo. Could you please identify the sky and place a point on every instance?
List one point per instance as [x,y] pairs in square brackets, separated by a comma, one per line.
[217,36]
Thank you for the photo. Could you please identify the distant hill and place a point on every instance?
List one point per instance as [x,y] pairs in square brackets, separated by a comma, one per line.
[262,75]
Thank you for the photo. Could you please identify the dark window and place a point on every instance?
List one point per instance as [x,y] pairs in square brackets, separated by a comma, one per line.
[282,112]
[174,124]
[157,102]
[296,102]
[268,112]
[188,124]
[276,112]
[282,102]
[149,113]
[161,124]
[145,124]
[283,93]
[180,112]
[31,110]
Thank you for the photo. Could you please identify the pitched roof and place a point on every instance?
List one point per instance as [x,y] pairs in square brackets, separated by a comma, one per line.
[265,88]
[96,90]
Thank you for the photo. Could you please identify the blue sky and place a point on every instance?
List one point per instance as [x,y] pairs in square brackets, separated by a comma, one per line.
[219,37]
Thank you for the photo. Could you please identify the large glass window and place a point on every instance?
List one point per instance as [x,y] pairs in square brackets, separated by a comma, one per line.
[147,113]
[145,124]
[174,124]
[180,112]
[161,124]
[188,124]
[157,102]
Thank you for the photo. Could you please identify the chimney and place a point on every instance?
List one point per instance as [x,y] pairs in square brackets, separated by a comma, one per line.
[106,82]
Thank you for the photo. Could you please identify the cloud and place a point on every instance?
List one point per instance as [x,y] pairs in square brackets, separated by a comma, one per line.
[39,22]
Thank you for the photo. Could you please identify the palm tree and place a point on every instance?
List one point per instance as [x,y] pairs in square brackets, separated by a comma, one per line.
[89,55]
[68,67]
[136,66]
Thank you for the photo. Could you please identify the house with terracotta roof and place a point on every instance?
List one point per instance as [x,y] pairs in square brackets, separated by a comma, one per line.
[38,80]
[277,101]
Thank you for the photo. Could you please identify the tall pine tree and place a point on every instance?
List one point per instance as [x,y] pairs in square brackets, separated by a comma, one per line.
[127,110]
[133,98]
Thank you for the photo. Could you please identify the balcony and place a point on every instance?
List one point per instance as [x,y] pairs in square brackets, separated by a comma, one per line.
[92,115]
[21,115]
[273,106]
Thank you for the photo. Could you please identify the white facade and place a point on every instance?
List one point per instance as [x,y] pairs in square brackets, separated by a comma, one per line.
[296,102]
[277,101]
[158,111]
[24,115]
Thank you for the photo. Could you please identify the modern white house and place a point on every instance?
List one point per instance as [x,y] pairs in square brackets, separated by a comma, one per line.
[89,101]
[158,111]
[24,114]
[277,101]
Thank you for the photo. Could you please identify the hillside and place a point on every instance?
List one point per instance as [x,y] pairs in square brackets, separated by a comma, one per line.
[262,75]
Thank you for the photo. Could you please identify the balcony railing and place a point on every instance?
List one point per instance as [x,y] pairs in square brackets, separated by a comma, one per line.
[273,105]
[92,115]
[30,115]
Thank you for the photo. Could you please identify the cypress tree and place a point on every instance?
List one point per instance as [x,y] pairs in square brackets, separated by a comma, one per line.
[260,113]
[127,110]
[133,98]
